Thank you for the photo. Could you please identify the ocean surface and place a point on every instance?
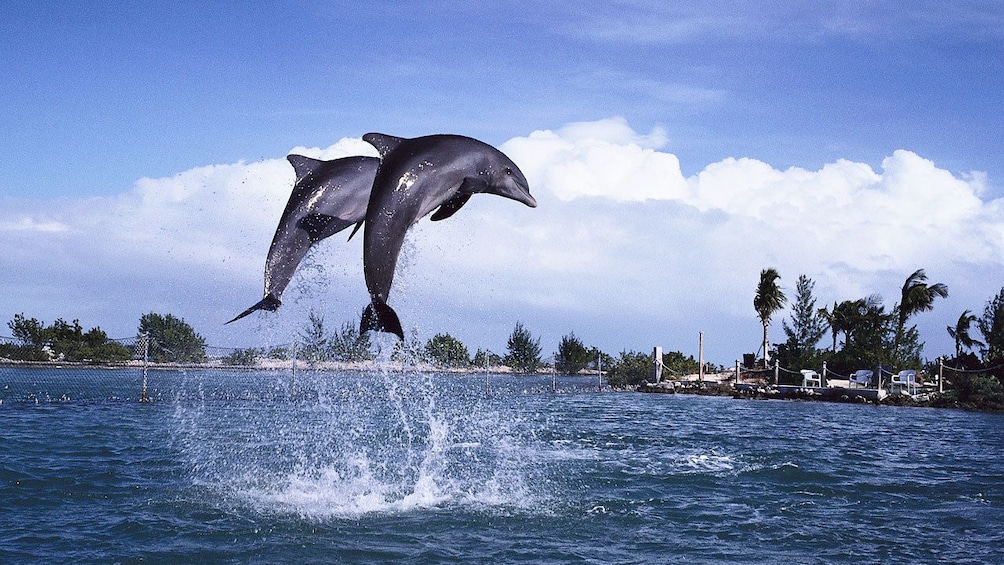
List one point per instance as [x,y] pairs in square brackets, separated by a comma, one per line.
[272,467]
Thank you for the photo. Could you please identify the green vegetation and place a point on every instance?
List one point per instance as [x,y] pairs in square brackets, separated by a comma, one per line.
[483,359]
[862,335]
[807,328]
[447,352]
[243,357]
[572,355]
[524,350]
[630,369]
[61,341]
[769,298]
[172,340]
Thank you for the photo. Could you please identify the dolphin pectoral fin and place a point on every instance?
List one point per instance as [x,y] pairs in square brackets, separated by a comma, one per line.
[270,303]
[380,317]
[319,226]
[384,143]
[355,229]
[451,206]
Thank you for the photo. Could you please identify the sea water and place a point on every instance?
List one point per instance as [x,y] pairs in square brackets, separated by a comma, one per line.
[325,467]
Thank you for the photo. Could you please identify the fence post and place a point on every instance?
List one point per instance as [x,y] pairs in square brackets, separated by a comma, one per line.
[941,375]
[656,363]
[700,355]
[599,372]
[777,370]
[146,360]
[488,385]
[292,379]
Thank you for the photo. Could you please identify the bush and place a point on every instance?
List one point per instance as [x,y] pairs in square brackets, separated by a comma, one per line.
[631,369]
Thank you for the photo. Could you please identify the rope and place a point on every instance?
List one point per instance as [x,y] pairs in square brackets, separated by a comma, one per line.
[971,371]
[829,372]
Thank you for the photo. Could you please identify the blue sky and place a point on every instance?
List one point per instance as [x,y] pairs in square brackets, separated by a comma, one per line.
[96,96]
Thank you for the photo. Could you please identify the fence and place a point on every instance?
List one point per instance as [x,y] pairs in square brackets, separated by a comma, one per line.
[878,377]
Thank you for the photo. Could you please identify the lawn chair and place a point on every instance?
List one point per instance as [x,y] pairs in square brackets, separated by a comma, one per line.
[810,378]
[860,378]
[905,379]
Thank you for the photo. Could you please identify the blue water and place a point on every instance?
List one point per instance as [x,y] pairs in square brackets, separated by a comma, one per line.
[249,467]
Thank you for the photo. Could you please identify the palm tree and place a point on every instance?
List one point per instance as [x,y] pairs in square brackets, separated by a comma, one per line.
[830,317]
[769,299]
[844,318]
[917,296]
[960,333]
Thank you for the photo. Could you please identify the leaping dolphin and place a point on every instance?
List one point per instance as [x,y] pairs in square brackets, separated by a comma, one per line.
[416,176]
[328,197]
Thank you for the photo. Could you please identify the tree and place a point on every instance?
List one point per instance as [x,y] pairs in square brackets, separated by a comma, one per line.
[348,345]
[630,369]
[447,352]
[679,364]
[172,339]
[484,358]
[847,313]
[29,332]
[313,339]
[868,330]
[960,333]
[807,326]
[769,299]
[916,296]
[572,355]
[244,357]
[599,360]
[991,326]
[828,316]
[524,351]
[62,340]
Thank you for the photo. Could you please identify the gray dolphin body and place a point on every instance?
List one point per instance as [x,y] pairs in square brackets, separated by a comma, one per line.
[415,177]
[328,197]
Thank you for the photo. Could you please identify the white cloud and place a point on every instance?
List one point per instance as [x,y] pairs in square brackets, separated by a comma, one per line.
[623,249]
[30,224]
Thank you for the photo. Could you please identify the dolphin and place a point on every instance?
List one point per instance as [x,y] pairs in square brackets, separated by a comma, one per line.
[328,197]
[415,177]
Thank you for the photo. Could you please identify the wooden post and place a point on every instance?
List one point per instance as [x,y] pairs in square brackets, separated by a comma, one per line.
[941,374]
[599,372]
[146,359]
[700,356]
[488,386]
[822,380]
[554,377]
[657,364]
[737,372]
[777,368]
[292,379]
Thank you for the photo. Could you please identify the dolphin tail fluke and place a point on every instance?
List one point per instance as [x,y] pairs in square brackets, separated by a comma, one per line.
[270,303]
[380,317]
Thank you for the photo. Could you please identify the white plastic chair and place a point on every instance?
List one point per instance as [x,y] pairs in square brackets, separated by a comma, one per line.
[861,377]
[809,377]
[907,379]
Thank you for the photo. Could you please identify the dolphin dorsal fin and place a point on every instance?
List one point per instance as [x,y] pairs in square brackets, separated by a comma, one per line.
[384,143]
[303,166]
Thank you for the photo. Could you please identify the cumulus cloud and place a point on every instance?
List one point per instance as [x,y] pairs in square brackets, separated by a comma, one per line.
[623,249]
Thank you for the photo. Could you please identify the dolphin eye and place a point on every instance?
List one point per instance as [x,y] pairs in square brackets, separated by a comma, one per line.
[508,171]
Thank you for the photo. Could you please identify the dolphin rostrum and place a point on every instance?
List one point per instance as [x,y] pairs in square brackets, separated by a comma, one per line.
[328,197]
[415,177]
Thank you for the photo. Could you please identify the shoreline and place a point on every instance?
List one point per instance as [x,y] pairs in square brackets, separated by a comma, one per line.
[840,395]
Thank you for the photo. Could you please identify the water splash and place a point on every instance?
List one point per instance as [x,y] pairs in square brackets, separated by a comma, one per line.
[370,443]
